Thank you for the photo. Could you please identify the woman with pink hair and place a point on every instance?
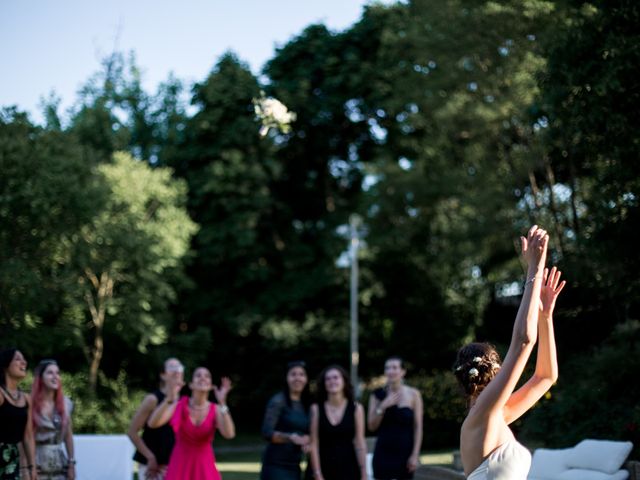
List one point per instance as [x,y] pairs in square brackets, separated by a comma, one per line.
[51,419]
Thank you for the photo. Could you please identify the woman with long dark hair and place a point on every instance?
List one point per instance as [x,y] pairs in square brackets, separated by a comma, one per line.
[395,413]
[338,448]
[15,418]
[286,427]
[51,417]
[488,448]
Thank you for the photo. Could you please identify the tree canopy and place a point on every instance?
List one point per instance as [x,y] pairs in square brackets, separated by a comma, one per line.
[144,225]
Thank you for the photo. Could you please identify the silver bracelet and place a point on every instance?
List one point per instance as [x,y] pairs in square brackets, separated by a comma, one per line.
[531,280]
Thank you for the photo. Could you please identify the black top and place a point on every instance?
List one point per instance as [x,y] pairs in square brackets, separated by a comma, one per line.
[13,420]
[338,460]
[285,417]
[159,440]
[395,441]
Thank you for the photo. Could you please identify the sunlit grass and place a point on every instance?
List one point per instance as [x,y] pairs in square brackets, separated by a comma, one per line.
[246,465]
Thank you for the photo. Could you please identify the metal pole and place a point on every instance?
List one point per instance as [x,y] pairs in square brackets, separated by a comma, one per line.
[354,223]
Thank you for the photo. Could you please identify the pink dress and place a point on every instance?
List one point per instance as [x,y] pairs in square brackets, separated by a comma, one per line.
[192,457]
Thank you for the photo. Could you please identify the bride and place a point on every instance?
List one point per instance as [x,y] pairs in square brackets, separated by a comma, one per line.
[488,448]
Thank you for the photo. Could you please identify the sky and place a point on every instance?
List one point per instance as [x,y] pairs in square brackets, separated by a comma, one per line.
[56,45]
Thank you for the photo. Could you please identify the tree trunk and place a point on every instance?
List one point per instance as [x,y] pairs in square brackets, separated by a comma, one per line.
[574,192]
[535,191]
[514,174]
[97,299]
[551,180]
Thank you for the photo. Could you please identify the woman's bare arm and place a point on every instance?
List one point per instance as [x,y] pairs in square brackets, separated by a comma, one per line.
[314,451]
[546,372]
[495,396]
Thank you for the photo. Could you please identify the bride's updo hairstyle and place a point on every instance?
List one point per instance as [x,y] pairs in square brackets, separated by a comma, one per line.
[476,365]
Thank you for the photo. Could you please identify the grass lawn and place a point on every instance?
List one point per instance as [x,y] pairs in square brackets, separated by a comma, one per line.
[245,465]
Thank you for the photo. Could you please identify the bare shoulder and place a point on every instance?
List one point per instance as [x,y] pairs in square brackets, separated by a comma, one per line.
[149,403]
[414,393]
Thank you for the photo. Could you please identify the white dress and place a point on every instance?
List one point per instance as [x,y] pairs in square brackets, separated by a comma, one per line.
[510,461]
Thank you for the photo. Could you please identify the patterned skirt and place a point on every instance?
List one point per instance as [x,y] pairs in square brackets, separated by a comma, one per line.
[51,461]
[9,461]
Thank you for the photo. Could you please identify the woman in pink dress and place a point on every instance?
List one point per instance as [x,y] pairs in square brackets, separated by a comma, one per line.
[194,420]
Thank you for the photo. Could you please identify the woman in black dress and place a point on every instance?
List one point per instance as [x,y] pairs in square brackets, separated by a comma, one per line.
[15,418]
[338,448]
[153,447]
[286,427]
[395,412]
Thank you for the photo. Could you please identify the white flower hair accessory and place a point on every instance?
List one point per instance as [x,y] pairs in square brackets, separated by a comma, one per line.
[473,372]
[273,114]
[477,359]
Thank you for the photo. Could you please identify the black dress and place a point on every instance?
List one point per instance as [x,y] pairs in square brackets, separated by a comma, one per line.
[281,461]
[395,441]
[338,460]
[13,421]
[159,440]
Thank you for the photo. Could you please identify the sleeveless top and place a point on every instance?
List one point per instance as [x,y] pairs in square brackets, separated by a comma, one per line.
[395,441]
[338,460]
[49,430]
[192,457]
[159,440]
[13,420]
[510,461]
[51,454]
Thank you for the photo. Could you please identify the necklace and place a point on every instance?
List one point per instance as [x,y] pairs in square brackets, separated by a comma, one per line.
[335,413]
[13,396]
[198,407]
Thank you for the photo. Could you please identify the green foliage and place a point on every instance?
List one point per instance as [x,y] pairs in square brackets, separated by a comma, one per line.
[448,126]
[109,412]
[47,193]
[444,408]
[128,258]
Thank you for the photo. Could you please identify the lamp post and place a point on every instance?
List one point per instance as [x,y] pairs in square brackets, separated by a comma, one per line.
[354,223]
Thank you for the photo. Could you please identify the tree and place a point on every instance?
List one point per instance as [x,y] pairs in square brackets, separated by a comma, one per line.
[128,257]
[47,192]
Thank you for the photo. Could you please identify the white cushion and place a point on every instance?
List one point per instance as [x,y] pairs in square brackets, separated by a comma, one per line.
[103,457]
[602,455]
[548,463]
[582,474]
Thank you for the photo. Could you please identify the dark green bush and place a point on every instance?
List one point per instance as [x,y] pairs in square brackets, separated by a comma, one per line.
[596,396]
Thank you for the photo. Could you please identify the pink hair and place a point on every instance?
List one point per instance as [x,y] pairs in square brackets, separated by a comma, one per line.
[38,390]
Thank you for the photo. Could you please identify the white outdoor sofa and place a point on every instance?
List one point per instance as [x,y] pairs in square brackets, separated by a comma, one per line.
[588,460]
